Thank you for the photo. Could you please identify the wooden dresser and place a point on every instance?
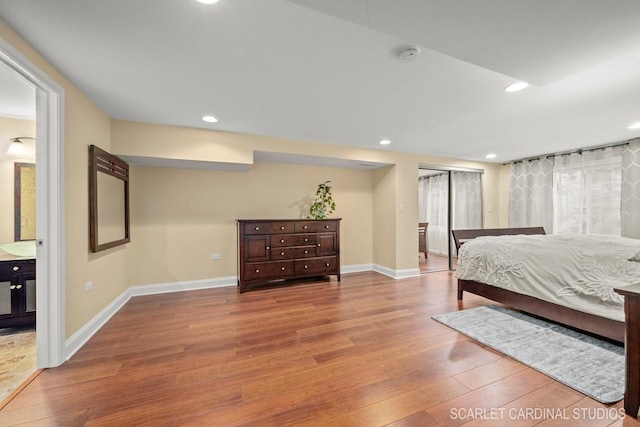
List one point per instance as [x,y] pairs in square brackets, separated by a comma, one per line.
[277,250]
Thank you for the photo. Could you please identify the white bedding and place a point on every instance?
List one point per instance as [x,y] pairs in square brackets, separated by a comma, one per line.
[577,271]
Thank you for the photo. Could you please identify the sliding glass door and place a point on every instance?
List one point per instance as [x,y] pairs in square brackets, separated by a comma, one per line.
[448,199]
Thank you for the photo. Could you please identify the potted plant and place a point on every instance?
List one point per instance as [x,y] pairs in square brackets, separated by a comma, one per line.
[323,205]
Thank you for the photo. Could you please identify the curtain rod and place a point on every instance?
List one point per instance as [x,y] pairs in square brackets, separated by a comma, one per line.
[564,153]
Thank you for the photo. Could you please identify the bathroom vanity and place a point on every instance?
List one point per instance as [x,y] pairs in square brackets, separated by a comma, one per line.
[17,291]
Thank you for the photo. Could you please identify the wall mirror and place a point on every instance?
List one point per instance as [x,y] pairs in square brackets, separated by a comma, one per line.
[108,200]
[24,179]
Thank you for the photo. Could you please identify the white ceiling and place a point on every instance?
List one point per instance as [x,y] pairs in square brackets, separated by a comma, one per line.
[327,70]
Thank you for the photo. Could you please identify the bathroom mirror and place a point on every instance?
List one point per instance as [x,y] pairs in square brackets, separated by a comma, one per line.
[24,199]
[108,200]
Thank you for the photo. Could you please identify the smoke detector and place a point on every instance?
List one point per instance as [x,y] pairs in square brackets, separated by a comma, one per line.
[408,53]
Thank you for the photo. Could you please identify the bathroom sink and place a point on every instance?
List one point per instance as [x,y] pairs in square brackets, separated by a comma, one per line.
[25,249]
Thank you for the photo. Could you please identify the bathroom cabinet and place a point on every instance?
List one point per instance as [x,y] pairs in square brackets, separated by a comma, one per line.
[17,292]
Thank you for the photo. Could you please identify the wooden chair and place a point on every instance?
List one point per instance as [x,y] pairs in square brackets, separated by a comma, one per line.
[422,238]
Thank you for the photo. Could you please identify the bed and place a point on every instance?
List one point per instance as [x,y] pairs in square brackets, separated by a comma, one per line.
[564,278]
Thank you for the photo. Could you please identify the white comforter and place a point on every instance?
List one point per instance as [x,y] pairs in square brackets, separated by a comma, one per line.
[577,271]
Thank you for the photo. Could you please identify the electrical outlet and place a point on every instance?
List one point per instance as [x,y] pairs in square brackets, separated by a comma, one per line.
[215,256]
[341,248]
[88,286]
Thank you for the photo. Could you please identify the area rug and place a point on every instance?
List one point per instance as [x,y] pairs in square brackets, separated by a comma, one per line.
[591,366]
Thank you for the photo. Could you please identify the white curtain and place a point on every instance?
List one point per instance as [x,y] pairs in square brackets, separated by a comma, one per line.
[630,191]
[531,194]
[586,192]
[466,193]
[433,193]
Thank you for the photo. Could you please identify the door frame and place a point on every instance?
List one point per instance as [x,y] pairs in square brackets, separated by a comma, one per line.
[50,215]
[448,170]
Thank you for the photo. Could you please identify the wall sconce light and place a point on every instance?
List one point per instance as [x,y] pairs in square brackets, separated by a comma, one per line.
[17,147]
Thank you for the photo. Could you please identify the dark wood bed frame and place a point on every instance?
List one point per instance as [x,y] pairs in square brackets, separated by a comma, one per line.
[602,326]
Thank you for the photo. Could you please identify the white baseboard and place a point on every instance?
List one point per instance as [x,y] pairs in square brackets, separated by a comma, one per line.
[77,340]
[356,268]
[396,274]
[80,338]
[191,285]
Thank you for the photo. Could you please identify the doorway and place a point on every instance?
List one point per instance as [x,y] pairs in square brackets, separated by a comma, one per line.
[50,227]
[448,199]
[17,230]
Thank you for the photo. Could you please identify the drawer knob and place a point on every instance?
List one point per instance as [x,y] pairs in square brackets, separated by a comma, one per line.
[12,287]
[282,253]
[306,240]
[306,266]
[281,240]
[257,228]
[282,228]
[19,287]
[257,271]
[318,244]
[305,227]
[16,268]
[267,247]
[326,226]
[327,264]
[282,268]
[306,252]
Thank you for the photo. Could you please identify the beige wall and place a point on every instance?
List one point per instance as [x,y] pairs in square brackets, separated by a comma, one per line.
[84,124]
[384,217]
[394,189]
[6,201]
[10,128]
[180,217]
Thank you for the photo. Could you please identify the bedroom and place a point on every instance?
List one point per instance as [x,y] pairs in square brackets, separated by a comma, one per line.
[390,191]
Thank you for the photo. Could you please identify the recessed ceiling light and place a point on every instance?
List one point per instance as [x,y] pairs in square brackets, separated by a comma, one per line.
[491,156]
[635,126]
[209,119]
[516,87]
[208,1]
[385,142]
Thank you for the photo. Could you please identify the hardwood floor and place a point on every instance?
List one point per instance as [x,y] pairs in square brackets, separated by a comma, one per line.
[364,352]
[435,263]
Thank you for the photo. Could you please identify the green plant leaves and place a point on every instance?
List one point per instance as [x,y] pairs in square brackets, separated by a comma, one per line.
[323,205]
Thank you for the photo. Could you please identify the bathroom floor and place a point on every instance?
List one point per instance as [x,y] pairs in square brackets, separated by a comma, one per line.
[17,357]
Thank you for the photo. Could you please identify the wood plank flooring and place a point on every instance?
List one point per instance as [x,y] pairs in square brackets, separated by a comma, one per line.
[363,352]
[435,263]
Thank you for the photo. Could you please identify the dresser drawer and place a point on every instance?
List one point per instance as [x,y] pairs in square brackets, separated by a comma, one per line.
[293,240]
[293,252]
[273,227]
[325,265]
[268,270]
[315,226]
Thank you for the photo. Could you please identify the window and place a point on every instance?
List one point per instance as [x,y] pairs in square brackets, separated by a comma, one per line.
[586,192]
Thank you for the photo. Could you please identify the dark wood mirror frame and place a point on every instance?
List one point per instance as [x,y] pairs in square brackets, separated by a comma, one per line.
[101,161]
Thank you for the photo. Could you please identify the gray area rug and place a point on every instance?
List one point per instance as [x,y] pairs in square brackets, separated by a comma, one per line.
[591,366]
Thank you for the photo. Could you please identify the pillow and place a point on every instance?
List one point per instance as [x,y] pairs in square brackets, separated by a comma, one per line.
[636,257]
